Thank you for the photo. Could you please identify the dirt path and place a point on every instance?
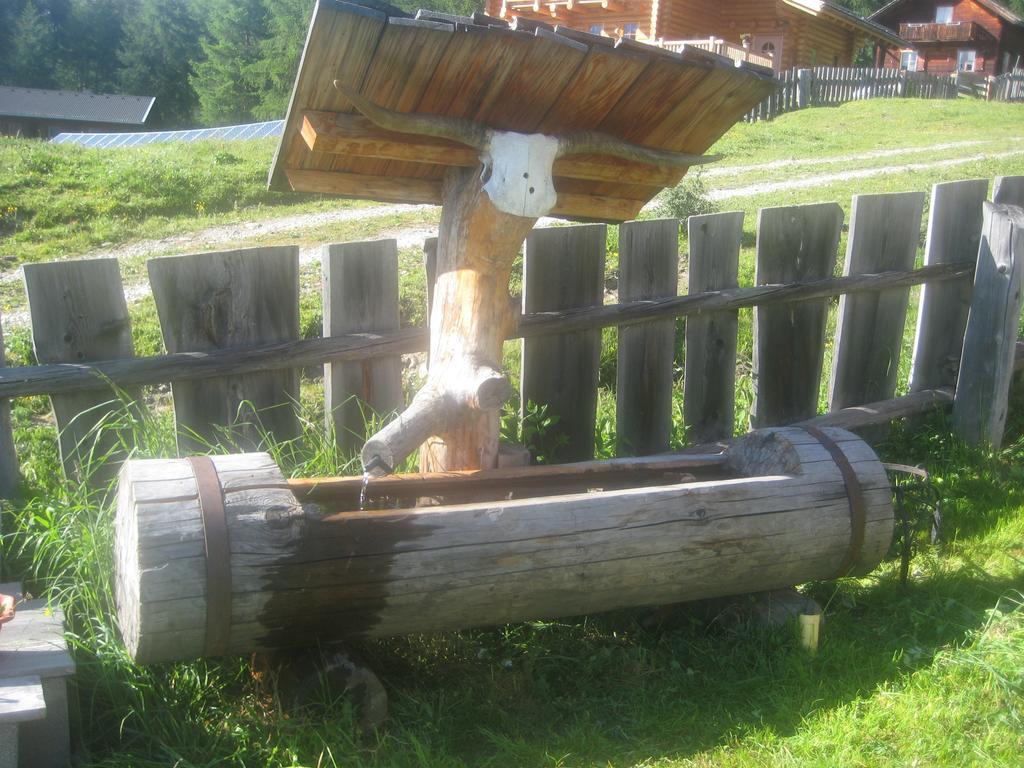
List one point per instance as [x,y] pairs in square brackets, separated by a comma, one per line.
[229,235]
[861,173]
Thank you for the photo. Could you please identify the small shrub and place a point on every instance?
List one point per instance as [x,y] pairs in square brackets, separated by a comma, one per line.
[688,198]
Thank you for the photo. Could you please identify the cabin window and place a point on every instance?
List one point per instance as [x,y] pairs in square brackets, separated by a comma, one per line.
[908,61]
[596,29]
[965,61]
[630,29]
[943,14]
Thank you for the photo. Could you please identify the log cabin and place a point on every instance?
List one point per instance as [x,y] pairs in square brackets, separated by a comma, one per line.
[946,36]
[787,33]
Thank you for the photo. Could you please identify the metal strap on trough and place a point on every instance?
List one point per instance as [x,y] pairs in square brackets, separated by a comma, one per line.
[854,495]
[218,556]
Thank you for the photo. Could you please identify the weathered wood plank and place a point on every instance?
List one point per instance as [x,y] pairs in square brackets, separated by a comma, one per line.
[954,231]
[78,315]
[360,294]
[1008,190]
[563,269]
[783,519]
[884,232]
[709,380]
[21,699]
[986,370]
[794,244]
[226,299]
[648,269]
[44,379]
[10,474]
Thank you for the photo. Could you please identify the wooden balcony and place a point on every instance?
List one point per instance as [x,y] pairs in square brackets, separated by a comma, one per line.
[954,32]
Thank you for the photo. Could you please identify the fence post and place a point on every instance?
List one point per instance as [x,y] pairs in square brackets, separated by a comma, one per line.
[986,370]
[563,268]
[79,314]
[884,230]
[954,230]
[794,245]
[1008,190]
[360,294]
[803,88]
[211,301]
[9,474]
[648,269]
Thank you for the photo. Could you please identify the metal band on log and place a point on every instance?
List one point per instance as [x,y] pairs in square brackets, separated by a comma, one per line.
[302,574]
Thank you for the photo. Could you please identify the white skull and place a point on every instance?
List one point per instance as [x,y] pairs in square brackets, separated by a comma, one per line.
[517,169]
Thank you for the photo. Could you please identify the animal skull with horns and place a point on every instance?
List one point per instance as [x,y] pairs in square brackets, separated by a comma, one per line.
[517,167]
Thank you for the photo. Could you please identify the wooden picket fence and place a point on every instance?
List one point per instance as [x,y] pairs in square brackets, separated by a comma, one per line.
[830,86]
[1007,87]
[230,324]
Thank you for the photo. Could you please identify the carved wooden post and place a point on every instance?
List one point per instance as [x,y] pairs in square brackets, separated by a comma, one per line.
[488,210]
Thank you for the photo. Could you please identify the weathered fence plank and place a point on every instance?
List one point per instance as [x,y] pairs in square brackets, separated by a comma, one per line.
[884,232]
[212,301]
[648,269]
[982,389]
[709,379]
[9,467]
[1008,190]
[563,269]
[79,314]
[954,230]
[360,293]
[794,244]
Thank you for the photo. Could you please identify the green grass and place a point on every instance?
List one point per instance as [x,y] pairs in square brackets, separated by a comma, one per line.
[923,674]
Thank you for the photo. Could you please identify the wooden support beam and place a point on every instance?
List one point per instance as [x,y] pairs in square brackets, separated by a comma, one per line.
[408,190]
[341,134]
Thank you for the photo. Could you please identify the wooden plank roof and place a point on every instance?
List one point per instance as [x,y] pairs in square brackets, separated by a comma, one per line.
[526,77]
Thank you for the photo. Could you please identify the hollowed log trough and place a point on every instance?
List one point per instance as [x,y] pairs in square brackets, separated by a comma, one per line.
[284,567]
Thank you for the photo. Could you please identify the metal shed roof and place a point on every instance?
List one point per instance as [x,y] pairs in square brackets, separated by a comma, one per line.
[82,106]
[528,77]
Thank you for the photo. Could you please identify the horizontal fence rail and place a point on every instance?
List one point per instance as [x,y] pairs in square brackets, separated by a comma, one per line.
[230,319]
[1007,87]
[62,378]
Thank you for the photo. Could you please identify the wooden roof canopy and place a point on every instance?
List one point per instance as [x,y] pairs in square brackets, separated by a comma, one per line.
[527,77]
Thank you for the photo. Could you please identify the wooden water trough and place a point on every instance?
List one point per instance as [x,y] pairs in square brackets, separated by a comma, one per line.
[224,555]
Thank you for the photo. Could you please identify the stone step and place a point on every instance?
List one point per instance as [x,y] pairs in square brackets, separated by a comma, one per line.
[33,646]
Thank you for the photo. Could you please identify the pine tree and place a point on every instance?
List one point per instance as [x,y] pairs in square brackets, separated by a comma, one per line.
[160,43]
[30,59]
[225,81]
[287,22]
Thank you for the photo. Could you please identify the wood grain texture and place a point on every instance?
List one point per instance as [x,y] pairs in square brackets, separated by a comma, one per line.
[360,294]
[986,370]
[648,269]
[794,244]
[954,232]
[301,576]
[709,379]
[211,301]
[563,269]
[10,474]
[884,232]
[79,314]
[1008,190]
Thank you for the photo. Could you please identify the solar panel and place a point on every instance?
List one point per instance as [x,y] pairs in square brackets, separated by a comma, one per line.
[230,132]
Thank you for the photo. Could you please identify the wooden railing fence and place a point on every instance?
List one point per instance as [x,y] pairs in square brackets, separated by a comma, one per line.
[1007,87]
[230,325]
[830,86]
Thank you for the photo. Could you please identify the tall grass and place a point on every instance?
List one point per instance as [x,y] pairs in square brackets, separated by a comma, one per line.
[611,690]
